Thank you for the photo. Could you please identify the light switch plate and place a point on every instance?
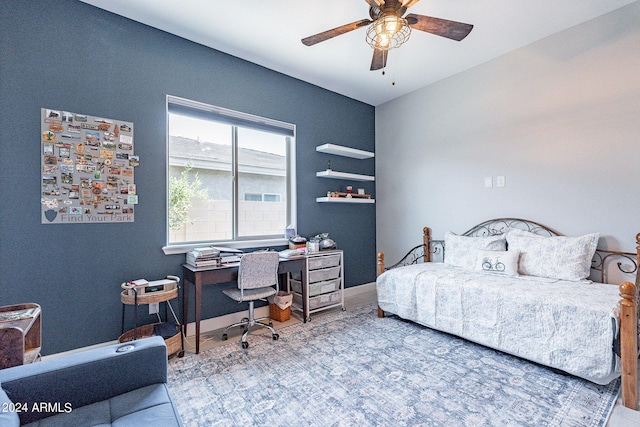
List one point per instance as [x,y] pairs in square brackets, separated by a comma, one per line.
[488,182]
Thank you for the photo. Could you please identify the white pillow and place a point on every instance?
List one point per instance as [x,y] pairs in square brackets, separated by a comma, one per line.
[557,257]
[498,262]
[462,251]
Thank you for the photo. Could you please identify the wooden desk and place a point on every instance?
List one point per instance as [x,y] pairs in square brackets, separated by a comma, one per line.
[229,273]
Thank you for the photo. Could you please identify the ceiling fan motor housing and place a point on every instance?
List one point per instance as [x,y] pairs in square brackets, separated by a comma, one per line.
[389,29]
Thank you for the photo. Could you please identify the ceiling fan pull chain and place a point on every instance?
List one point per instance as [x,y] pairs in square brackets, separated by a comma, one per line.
[393,73]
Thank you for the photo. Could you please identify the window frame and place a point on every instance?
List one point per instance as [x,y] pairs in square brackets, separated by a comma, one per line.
[234,118]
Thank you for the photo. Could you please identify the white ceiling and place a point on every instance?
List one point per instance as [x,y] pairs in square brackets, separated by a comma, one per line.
[268,33]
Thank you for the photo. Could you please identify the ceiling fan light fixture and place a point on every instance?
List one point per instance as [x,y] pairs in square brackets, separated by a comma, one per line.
[388,32]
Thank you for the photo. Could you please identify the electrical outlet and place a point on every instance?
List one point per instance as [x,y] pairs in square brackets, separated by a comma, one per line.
[154,307]
[501,181]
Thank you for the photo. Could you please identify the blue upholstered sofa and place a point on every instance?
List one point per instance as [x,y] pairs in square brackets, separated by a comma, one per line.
[115,385]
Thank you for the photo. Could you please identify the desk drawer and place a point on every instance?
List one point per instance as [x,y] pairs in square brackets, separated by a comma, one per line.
[326,261]
[320,275]
[317,288]
[318,301]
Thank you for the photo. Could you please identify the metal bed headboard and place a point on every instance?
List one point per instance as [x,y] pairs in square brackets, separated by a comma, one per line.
[625,262]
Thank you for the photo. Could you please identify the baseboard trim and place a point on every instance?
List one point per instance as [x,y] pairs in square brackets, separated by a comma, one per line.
[360,289]
[208,325]
[211,324]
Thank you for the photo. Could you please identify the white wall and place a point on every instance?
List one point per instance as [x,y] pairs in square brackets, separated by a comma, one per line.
[559,118]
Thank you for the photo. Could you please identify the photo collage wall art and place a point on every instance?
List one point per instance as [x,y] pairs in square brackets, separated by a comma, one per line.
[88,168]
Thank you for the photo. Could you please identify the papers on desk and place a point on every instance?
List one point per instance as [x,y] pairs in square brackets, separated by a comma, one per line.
[229,259]
[206,251]
[292,253]
[213,256]
[224,249]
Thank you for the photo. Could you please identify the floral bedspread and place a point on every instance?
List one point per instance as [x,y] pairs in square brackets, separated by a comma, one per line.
[562,324]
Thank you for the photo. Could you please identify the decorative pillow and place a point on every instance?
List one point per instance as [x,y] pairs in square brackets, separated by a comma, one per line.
[499,262]
[8,415]
[556,257]
[462,251]
[523,233]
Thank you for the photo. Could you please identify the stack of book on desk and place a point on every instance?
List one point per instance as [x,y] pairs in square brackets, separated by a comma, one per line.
[203,257]
[229,259]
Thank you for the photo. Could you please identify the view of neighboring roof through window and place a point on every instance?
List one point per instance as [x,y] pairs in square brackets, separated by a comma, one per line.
[230,174]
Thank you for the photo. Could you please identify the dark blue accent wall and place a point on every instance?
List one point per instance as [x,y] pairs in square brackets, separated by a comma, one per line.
[67,55]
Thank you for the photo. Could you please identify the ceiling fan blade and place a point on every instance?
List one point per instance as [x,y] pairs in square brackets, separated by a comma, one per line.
[440,27]
[379,3]
[379,60]
[409,3]
[326,35]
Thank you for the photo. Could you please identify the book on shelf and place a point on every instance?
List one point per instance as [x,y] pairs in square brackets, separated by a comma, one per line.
[12,316]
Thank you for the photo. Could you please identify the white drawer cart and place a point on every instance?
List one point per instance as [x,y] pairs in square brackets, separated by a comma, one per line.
[325,284]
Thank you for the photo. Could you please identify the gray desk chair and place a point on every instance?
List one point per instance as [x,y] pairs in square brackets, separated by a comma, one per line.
[257,274]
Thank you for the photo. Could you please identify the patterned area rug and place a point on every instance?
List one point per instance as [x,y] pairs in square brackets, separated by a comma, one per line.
[353,369]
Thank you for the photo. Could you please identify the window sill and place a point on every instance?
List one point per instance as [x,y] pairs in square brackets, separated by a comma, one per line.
[241,244]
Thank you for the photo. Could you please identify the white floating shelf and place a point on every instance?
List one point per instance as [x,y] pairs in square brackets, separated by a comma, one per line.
[343,200]
[344,175]
[339,150]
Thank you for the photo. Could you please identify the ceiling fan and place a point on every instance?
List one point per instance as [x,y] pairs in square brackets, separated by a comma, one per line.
[388,29]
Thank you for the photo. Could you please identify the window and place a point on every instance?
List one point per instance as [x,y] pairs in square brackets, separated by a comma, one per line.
[271,197]
[231,175]
[255,197]
[252,197]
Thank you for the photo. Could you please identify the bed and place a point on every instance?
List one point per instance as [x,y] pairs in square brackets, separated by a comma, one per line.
[527,290]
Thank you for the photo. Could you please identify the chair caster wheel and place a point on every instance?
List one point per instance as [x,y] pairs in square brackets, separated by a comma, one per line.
[270,323]
[181,353]
[245,345]
[275,337]
[225,337]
